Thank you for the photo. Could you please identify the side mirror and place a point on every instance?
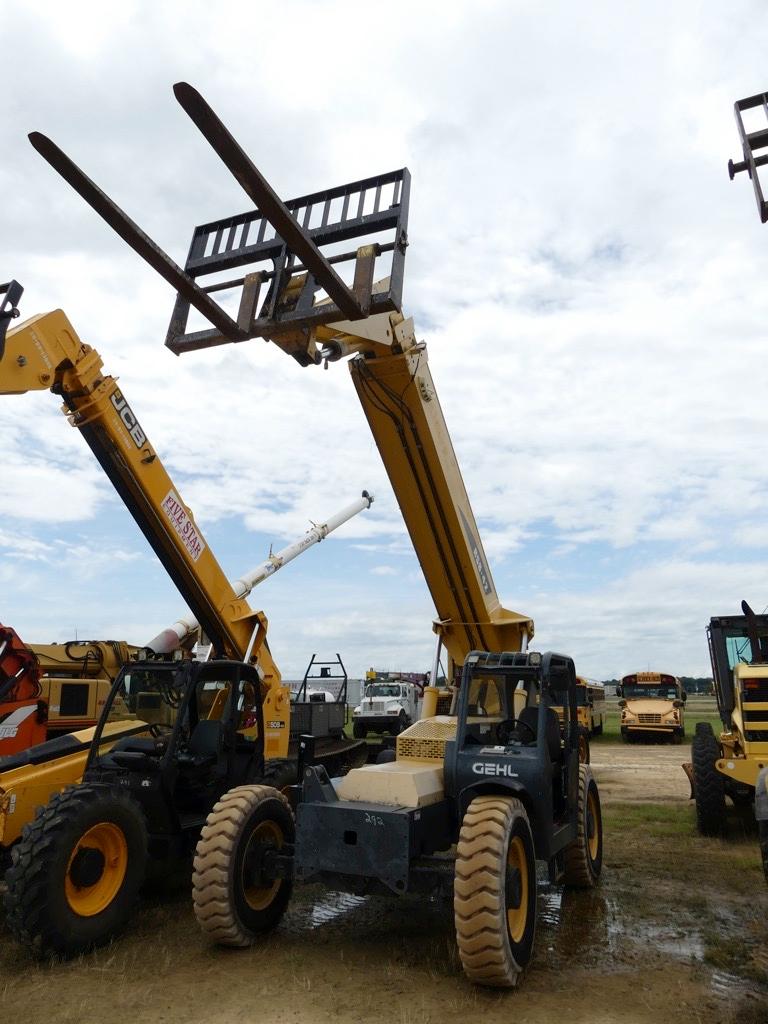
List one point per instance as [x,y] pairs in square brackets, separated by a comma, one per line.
[622,703]
[619,691]
[684,696]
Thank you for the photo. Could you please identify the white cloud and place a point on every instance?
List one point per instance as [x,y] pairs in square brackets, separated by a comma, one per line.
[589,282]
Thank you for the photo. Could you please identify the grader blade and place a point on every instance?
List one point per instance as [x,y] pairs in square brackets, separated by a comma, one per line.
[688,769]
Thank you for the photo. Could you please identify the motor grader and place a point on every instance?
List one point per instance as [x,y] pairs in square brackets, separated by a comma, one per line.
[754,153]
[734,763]
[474,796]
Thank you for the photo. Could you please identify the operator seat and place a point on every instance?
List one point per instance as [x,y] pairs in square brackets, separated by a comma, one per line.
[529,716]
[205,742]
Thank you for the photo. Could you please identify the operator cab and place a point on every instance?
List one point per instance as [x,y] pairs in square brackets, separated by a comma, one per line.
[198,730]
[505,701]
[509,735]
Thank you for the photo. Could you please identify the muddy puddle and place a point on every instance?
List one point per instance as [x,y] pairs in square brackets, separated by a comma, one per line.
[575,930]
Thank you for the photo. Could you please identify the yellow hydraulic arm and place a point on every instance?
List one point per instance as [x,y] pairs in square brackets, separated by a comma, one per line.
[395,387]
[45,353]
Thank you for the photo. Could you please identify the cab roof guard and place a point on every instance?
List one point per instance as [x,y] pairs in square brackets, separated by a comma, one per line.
[297,242]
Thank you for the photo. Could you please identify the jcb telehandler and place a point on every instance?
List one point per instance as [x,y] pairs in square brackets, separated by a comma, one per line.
[45,353]
[476,795]
[191,731]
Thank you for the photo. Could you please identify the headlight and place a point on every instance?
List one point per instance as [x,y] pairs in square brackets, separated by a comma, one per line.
[392,711]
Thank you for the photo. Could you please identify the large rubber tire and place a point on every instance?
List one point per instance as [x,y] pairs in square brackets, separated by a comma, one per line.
[494,901]
[77,871]
[584,754]
[583,857]
[708,783]
[359,730]
[245,821]
[762,833]
[400,725]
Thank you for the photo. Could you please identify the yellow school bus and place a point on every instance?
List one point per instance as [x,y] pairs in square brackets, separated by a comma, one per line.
[590,711]
[651,706]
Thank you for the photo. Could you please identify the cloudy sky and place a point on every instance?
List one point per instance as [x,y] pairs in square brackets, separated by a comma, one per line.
[590,285]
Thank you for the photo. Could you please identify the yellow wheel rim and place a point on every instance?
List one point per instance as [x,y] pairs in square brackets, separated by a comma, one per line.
[96,869]
[259,897]
[593,824]
[517,917]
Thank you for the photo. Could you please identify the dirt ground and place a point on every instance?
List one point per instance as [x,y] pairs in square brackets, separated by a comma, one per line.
[676,932]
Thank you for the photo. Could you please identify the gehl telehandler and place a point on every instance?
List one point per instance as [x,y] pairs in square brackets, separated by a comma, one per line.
[172,736]
[485,784]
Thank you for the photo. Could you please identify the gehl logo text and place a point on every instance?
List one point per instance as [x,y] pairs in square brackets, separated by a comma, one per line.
[493,768]
[129,419]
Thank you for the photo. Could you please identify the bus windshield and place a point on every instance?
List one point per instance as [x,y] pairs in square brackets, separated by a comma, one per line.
[662,690]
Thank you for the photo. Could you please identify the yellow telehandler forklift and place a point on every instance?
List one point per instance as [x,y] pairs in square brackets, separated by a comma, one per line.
[485,783]
[138,744]
[734,763]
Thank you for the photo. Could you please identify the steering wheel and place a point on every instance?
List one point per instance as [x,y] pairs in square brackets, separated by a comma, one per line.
[157,730]
[505,729]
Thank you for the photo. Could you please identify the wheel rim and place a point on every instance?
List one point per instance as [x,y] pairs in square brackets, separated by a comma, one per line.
[266,834]
[593,824]
[96,869]
[517,889]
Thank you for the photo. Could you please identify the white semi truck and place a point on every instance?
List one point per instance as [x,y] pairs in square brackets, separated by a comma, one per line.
[389,704]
